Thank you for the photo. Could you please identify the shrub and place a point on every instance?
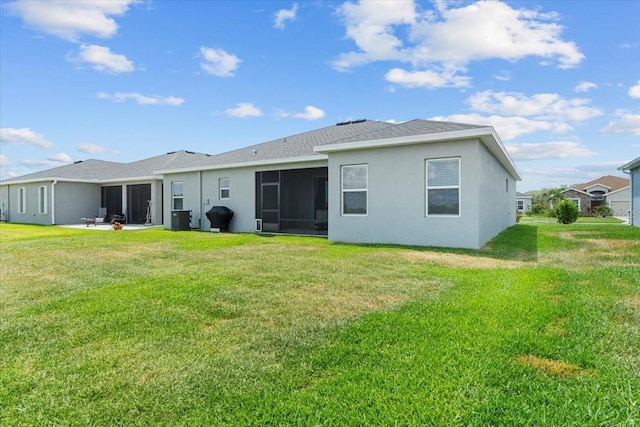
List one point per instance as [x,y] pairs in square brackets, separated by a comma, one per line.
[566,212]
[602,211]
[537,209]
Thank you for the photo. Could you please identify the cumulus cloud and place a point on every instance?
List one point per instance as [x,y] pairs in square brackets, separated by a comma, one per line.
[634,91]
[4,160]
[89,148]
[625,123]
[24,136]
[542,105]
[243,110]
[585,86]
[548,150]
[142,99]
[284,15]
[102,59]
[310,113]
[69,20]
[218,63]
[429,79]
[450,37]
[59,159]
[508,127]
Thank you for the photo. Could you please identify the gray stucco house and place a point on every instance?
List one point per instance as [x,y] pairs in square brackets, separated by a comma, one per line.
[633,168]
[523,202]
[426,183]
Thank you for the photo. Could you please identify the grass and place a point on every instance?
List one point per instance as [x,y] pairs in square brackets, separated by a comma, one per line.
[581,219]
[152,327]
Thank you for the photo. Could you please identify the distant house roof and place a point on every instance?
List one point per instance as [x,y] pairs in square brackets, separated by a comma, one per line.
[520,195]
[307,146]
[100,171]
[613,183]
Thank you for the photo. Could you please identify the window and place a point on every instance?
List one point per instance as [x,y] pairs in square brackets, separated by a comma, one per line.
[42,200]
[506,184]
[354,190]
[223,184]
[520,205]
[177,198]
[576,201]
[443,187]
[22,200]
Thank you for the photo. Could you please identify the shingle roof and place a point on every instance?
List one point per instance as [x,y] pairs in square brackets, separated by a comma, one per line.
[99,170]
[613,182]
[300,145]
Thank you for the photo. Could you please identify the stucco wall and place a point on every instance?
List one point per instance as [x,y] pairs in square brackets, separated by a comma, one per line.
[4,202]
[397,197]
[201,193]
[31,214]
[497,209]
[620,202]
[74,201]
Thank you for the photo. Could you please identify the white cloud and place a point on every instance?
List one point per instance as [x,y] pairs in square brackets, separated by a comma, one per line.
[23,136]
[87,147]
[69,20]
[634,91]
[548,150]
[541,105]
[102,59]
[52,161]
[218,63]
[451,37]
[284,15]
[503,75]
[4,160]
[426,79]
[142,99]
[310,113]
[626,123]
[585,86]
[508,127]
[243,110]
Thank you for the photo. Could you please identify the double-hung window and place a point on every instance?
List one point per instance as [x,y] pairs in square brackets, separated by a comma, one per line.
[22,200]
[443,187]
[177,197]
[225,188]
[42,200]
[354,189]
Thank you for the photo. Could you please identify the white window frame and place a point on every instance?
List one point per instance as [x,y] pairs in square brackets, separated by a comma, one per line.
[175,197]
[42,200]
[22,200]
[443,187]
[364,189]
[577,202]
[520,205]
[222,187]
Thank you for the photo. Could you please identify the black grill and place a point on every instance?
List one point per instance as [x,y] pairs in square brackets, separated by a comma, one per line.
[220,217]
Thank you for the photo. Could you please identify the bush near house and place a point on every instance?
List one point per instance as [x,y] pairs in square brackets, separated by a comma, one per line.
[602,211]
[566,212]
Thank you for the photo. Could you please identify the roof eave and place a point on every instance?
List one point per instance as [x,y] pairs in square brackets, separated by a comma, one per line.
[633,164]
[486,134]
[266,162]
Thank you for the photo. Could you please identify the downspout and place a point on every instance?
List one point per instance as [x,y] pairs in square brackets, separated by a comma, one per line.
[53,201]
[200,221]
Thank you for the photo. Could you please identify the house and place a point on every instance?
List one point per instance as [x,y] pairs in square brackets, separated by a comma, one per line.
[65,194]
[421,182]
[523,202]
[611,191]
[633,168]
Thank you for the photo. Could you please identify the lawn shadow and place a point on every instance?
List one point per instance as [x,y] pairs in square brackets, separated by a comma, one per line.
[516,243]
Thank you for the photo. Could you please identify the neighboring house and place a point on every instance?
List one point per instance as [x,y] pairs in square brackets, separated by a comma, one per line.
[65,194]
[523,202]
[426,183]
[611,191]
[633,168]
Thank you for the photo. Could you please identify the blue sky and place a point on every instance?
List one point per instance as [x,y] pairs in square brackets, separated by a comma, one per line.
[127,80]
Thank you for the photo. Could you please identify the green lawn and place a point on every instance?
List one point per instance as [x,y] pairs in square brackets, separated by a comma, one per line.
[581,220]
[153,327]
